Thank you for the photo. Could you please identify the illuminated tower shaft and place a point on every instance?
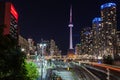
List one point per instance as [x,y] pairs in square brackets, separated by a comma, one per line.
[71,25]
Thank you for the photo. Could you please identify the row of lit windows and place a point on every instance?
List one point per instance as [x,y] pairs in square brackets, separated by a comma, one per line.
[13,27]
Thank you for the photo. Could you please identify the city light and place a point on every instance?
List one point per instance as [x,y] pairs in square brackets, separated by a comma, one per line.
[105,66]
[14,12]
[100,58]
[43,45]
[96,20]
[107,5]
[22,49]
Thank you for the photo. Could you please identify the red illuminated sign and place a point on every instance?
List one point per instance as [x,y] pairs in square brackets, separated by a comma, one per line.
[13,12]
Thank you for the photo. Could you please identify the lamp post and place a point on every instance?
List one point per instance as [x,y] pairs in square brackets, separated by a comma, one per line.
[42,46]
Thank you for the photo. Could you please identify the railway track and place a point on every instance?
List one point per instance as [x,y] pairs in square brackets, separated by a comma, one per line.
[83,73]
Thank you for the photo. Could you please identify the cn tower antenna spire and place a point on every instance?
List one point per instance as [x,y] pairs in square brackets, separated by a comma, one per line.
[71,14]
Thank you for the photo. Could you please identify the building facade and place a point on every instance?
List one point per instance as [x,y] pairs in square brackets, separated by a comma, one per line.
[9,18]
[86,41]
[78,49]
[118,43]
[23,43]
[32,47]
[97,37]
[109,26]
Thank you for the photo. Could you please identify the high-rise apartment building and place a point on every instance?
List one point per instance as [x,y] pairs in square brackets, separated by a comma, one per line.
[86,41]
[108,15]
[118,43]
[9,18]
[97,36]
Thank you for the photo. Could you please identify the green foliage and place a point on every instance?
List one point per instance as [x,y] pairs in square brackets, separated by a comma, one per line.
[12,60]
[12,64]
[32,72]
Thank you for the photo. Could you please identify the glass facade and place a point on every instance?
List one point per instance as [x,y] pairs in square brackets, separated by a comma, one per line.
[101,39]
[109,27]
[13,27]
[86,41]
[97,37]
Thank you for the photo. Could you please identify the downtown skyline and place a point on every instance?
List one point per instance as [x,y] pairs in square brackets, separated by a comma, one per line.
[58,38]
[50,19]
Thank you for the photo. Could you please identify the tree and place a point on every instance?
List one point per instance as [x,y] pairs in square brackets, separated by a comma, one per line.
[13,64]
[12,60]
[32,72]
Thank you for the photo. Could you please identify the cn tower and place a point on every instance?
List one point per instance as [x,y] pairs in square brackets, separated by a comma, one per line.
[70,25]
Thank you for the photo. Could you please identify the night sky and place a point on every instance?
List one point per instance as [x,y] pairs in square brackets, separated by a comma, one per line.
[49,19]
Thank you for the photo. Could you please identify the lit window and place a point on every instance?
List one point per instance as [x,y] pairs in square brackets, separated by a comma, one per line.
[99,24]
[109,23]
[111,12]
[110,43]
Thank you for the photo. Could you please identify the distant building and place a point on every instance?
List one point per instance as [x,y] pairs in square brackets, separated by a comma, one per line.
[46,46]
[43,48]
[53,47]
[86,41]
[38,48]
[109,27]
[24,45]
[78,49]
[54,50]
[9,18]
[32,47]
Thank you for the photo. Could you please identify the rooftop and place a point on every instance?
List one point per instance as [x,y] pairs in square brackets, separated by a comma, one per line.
[106,5]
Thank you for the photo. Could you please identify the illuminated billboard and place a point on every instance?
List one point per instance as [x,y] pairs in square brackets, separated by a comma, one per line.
[14,12]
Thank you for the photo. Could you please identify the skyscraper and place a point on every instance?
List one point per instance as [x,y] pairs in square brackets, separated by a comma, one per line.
[86,41]
[96,36]
[9,18]
[108,15]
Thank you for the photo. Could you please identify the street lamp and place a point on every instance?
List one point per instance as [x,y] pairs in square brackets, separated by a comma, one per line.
[42,46]
[22,49]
